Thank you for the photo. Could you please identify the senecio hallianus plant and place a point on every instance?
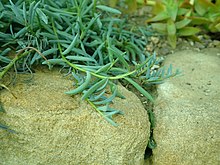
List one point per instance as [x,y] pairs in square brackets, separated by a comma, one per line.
[89,39]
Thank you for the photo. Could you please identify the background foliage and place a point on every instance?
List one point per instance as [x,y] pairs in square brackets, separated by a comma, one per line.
[178,18]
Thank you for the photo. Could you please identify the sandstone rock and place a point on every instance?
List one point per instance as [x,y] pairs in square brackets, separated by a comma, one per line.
[187,121]
[56,129]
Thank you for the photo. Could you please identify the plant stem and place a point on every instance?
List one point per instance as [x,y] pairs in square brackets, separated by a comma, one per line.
[17,57]
[95,107]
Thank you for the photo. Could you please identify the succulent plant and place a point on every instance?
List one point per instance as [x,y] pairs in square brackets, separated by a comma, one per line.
[180,18]
[172,18]
[98,48]
[206,13]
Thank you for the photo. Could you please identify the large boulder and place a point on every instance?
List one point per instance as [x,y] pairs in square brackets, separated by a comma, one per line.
[188,111]
[56,129]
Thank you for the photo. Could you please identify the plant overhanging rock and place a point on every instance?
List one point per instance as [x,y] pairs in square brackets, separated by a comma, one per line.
[89,39]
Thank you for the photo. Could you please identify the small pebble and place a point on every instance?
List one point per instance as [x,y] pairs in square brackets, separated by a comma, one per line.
[207,91]
[200,37]
[155,40]
[155,67]
[199,45]
[216,42]
[191,43]
[150,47]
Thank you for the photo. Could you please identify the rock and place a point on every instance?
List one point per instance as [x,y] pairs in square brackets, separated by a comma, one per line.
[56,129]
[150,47]
[187,122]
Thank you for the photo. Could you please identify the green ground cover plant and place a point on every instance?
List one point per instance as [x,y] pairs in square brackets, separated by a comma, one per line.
[90,40]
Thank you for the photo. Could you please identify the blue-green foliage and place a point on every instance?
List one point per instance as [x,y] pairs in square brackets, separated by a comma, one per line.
[92,40]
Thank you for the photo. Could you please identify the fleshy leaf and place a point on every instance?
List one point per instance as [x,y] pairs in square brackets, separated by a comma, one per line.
[182,23]
[159,17]
[108,9]
[188,31]
[42,16]
[93,88]
[160,27]
[140,89]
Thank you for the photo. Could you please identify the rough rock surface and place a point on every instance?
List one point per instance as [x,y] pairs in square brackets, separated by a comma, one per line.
[188,111]
[56,129]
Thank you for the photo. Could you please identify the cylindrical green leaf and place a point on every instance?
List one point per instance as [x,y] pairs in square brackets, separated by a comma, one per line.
[140,89]
[93,88]
[81,87]
[108,9]
[71,45]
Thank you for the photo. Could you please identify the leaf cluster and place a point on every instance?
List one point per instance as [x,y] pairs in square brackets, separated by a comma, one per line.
[206,14]
[181,18]
[89,39]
